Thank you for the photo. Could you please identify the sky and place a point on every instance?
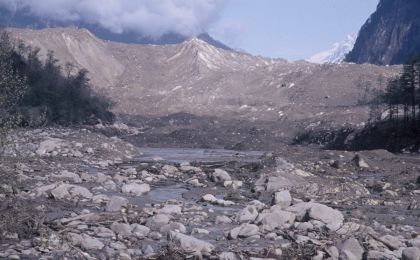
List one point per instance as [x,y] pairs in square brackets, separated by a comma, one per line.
[291,29]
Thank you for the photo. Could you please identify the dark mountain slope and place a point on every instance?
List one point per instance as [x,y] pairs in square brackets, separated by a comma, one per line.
[390,35]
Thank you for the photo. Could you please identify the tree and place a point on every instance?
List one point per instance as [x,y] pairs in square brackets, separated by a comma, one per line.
[12,88]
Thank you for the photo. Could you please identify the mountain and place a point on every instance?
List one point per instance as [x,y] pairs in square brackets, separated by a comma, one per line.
[198,78]
[390,35]
[336,54]
[23,19]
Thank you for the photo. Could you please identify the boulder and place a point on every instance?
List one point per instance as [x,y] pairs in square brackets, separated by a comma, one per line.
[170,209]
[191,244]
[244,231]
[248,214]
[352,250]
[332,218]
[411,253]
[140,231]
[121,229]
[283,198]
[174,226]
[136,189]
[116,203]
[275,218]
[220,176]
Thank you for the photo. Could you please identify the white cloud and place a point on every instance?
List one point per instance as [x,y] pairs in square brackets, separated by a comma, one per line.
[149,17]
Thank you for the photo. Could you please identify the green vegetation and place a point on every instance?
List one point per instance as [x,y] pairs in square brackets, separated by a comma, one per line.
[403,95]
[42,94]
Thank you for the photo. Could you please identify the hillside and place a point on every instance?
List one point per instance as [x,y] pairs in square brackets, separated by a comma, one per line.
[390,35]
[200,79]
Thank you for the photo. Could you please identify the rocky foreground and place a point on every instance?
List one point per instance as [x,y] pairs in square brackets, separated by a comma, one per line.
[77,194]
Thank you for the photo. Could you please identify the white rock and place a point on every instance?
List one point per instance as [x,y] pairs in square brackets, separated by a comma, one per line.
[244,231]
[116,203]
[248,214]
[191,244]
[283,198]
[140,231]
[220,176]
[331,217]
[136,189]
[170,209]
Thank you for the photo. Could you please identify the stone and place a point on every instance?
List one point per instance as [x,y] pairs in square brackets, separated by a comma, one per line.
[191,244]
[85,241]
[136,189]
[223,220]
[352,250]
[121,229]
[283,198]
[104,232]
[67,176]
[140,231]
[244,231]
[66,191]
[116,203]
[228,256]
[49,145]
[396,242]
[174,226]
[220,176]
[248,214]
[209,198]
[171,209]
[157,221]
[358,161]
[332,218]
[411,253]
[275,218]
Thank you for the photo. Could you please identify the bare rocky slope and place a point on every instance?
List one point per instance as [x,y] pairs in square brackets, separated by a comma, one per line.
[197,78]
[390,35]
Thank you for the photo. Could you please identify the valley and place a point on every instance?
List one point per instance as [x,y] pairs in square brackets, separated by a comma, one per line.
[201,161]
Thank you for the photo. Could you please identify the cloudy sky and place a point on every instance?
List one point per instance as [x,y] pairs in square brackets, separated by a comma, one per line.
[292,29]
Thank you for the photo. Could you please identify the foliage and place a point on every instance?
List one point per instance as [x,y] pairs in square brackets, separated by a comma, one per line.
[12,88]
[53,95]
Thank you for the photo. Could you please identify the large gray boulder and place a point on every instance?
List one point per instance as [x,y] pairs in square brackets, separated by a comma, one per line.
[352,250]
[191,244]
[136,189]
[411,253]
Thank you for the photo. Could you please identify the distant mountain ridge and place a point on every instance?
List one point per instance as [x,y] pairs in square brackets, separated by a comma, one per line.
[336,54]
[390,35]
[21,19]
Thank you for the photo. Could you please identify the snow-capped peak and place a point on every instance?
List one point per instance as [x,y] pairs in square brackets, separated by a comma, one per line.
[337,53]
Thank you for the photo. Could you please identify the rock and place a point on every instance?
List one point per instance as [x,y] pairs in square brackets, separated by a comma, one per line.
[174,226]
[283,198]
[140,231]
[244,231]
[248,214]
[157,221]
[375,255]
[331,217]
[191,244]
[136,189]
[200,231]
[415,242]
[171,209]
[300,210]
[121,229]
[352,250]
[275,218]
[116,204]
[359,162]
[65,191]
[220,176]
[396,242]
[67,176]
[104,232]
[169,170]
[411,253]
[223,220]
[49,145]
[85,241]
[228,256]
[333,252]
[209,198]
